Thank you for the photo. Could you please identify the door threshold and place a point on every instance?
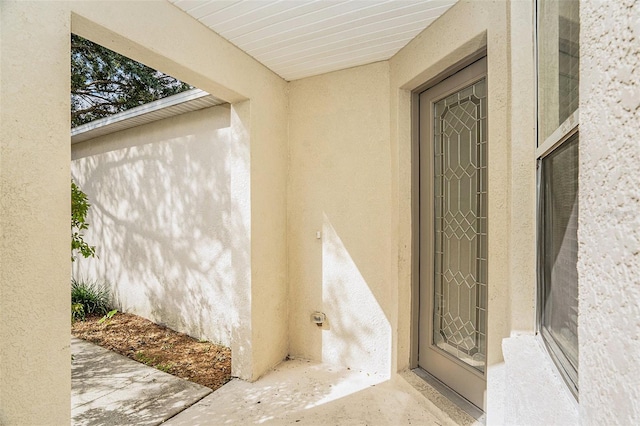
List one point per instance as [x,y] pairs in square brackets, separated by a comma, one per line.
[451,395]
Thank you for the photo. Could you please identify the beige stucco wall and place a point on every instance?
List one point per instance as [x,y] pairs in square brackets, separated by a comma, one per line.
[34,214]
[522,214]
[339,186]
[368,249]
[609,219]
[467,28]
[164,220]
[333,114]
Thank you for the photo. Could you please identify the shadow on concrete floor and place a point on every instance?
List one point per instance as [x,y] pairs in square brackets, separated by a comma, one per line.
[301,392]
[108,388]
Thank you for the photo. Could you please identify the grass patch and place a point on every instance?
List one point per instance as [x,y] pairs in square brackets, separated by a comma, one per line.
[164,367]
[143,358]
[151,361]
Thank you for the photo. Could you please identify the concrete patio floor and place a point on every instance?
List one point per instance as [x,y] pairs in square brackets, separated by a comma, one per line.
[111,389]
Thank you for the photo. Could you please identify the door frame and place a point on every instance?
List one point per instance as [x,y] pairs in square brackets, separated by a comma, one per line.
[415,193]
[472,68]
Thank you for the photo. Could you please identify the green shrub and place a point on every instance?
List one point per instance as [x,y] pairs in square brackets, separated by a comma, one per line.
[94,297]
[77,312]
[79,209]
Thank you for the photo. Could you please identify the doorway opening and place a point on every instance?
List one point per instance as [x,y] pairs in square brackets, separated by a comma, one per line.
[451,235]
[152,153]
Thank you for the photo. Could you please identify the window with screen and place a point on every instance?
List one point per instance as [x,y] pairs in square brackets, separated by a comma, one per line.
[558,29]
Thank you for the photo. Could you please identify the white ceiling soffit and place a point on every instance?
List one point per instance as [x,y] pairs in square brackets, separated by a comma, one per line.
[190,100]
[301,38]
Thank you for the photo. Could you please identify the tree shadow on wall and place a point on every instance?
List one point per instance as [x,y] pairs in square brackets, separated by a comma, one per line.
[170,234]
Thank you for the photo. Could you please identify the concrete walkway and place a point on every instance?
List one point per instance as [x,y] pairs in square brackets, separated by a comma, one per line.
[300,392]
[108,388]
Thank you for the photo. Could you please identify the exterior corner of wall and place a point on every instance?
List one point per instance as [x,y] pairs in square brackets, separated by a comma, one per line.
[34,213]
[269,239]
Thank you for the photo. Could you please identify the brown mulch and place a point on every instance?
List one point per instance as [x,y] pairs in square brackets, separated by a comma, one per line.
[176,353]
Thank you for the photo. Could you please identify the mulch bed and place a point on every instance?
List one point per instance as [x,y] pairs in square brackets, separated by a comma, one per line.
[176,353]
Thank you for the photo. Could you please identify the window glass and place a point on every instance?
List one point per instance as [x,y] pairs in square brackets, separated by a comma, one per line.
[558,63]
[558,30]
[560,246]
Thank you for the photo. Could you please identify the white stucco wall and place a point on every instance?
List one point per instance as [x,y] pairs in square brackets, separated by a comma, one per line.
[609,219]
[339,185]
[258,100]
[164,220]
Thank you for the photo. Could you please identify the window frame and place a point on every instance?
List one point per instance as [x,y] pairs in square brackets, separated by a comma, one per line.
[562,134]
[552,348]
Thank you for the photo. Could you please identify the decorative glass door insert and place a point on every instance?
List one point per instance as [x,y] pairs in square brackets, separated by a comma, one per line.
[461,224]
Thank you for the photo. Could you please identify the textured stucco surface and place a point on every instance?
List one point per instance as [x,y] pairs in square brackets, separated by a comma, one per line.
[346,168]
[467,28]
[35,375]
[339,185]
[609,219]
[164,220]
[522,214]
